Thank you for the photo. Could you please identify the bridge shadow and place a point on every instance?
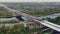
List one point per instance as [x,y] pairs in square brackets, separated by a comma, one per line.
[19,18]
[55,32]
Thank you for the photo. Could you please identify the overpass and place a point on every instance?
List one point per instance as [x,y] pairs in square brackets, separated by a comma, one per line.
[34,19]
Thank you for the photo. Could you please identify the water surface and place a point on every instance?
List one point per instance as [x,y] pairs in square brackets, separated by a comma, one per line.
[3,19]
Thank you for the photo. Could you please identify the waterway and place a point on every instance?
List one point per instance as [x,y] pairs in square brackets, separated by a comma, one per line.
[14,18]
[3,19]
[48,16]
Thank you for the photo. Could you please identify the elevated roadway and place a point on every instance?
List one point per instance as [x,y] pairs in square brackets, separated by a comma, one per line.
[32,18]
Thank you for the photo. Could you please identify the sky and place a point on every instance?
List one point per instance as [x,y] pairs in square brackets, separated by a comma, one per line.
[29,0]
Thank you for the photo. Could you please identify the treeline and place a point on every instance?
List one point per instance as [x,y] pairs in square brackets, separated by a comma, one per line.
[18,29]
[56,20]
[41,11]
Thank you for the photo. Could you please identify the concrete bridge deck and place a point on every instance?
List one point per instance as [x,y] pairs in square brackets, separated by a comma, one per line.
[43,22]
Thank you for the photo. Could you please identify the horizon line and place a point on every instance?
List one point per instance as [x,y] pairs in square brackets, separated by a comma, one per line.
[37,2]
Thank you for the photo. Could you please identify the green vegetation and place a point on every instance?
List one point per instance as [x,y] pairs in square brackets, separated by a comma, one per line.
[18,29]
[56,20]
[9,21]
[47,32]
[44,11]
[4,13]
[36,10]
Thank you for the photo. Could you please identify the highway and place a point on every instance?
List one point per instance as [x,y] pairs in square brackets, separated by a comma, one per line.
[32,18]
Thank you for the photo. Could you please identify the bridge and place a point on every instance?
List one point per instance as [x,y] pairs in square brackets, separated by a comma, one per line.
[19,14]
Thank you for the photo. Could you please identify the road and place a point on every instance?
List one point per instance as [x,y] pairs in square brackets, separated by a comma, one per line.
[43,22]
